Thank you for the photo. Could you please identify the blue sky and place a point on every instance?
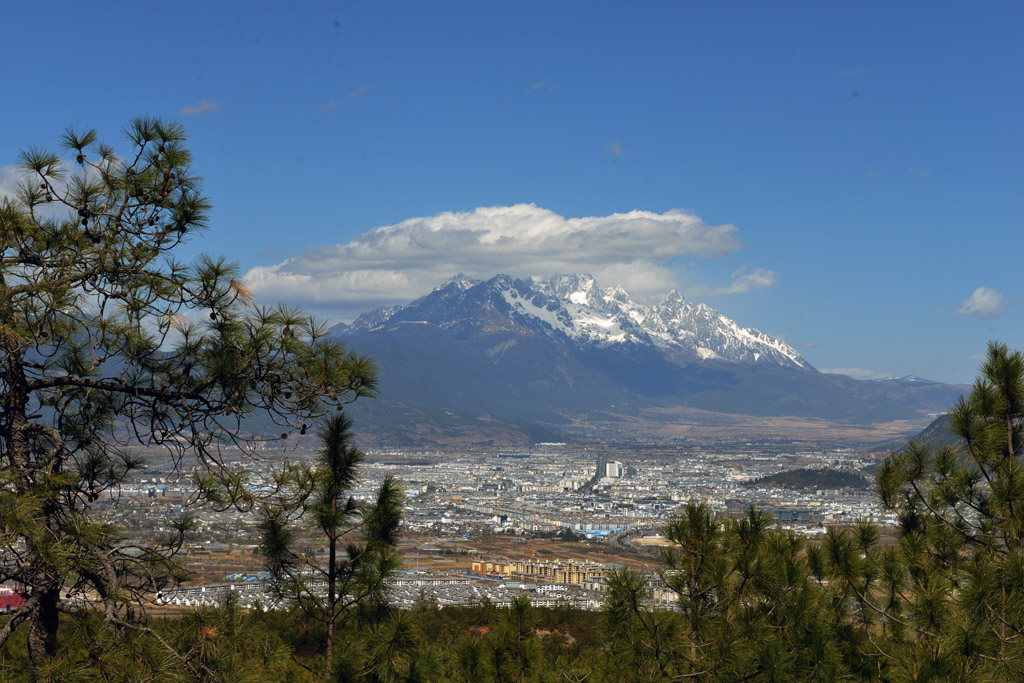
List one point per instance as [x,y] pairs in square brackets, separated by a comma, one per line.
[846,177]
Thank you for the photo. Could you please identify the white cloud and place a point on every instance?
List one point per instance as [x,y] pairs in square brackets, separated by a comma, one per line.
[396,263]
[351,96]
[200,107]
[983,304]
[542,86]
[9,177]
[742,281]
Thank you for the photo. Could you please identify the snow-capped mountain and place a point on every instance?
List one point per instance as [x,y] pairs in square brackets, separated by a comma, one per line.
[575,309]
[510,360]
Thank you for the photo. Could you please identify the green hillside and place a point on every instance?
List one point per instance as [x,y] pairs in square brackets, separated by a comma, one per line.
[813,480]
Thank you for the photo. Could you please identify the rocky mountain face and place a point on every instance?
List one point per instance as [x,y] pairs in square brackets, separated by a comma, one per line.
[506,361]
[574,310]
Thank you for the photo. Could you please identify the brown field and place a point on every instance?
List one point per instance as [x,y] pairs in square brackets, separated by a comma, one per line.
[676,422]
[651,542]
[213,566]
[511,547]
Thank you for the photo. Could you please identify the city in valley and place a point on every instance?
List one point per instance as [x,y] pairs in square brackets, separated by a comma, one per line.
[489,524]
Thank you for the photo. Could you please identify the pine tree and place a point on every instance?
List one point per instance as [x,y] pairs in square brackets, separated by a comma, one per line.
[320,495]
[747,607]
[946,602]
[107,343]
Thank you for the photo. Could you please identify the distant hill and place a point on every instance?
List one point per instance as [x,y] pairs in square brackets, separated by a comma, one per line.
[811,480]
[936,434]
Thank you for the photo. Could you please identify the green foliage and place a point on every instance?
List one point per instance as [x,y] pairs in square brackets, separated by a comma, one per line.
[813,479]
[747,607]
[108,343]
[353,580]
[946,601]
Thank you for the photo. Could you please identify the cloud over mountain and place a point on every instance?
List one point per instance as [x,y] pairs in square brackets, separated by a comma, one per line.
[397,262]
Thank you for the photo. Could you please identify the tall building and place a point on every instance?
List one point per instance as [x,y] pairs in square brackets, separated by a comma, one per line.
[602,462]
[613,469]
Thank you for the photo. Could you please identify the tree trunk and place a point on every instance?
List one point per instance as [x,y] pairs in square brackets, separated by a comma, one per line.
[42,628]
[332,601]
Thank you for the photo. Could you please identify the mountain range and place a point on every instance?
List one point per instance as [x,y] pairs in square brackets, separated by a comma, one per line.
[507,361]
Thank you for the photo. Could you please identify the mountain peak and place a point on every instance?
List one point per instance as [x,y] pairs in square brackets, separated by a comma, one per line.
[576,287]
[572,308]
[461,281]
[673,296]
[908,379]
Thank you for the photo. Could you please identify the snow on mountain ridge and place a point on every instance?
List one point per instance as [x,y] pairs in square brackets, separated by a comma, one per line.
[573,307]
[461,281]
